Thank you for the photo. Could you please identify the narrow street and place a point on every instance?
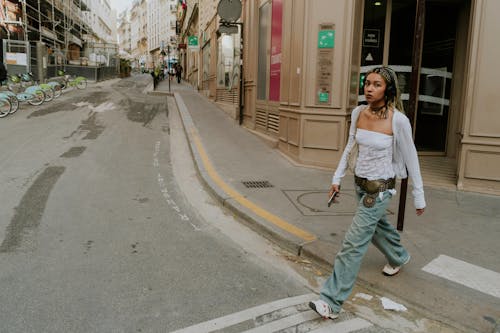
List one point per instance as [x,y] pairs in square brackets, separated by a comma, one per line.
[95,234]
[180,182]
[107,227]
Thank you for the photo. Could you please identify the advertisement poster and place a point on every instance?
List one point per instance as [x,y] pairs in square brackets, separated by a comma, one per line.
[16,58]
[275,70]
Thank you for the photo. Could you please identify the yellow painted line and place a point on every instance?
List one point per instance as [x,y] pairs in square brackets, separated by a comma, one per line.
[306,236]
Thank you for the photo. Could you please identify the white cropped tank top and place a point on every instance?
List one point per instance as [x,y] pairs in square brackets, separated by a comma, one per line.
[375,155]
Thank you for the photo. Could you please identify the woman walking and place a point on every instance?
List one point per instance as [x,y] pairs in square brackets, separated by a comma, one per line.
[385,150]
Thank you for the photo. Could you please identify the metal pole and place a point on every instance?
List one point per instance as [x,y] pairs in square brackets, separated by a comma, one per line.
[418,42]
[168,66]
[242,81]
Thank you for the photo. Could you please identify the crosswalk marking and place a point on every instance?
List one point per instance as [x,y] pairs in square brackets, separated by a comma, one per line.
[469,275]
[241,316]
[345,326]
[286,314]
[285,322]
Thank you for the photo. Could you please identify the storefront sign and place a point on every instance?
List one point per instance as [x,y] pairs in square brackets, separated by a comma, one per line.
[324,64]
[323,97]
[326,39]
[371,38]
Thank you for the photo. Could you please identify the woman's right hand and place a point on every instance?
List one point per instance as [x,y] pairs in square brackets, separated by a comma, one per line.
[333,188]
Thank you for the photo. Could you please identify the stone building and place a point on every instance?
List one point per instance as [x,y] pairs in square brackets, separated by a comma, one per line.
[304,61]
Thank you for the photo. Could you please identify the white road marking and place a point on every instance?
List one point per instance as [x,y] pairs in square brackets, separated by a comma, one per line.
[344,326]
[81,104]
[164,189]
[284,323]
[248,314]
[99,108]
[102,107]
[307,319]
[472,276]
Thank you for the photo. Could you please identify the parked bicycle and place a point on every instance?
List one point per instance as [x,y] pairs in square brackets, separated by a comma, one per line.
[5,106]
[28,81]
[34,95]
[66,80]
[57,87]
[12,97]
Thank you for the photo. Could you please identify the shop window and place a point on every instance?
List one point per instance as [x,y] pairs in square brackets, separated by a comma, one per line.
[228,61]
[262,69]
[206,65]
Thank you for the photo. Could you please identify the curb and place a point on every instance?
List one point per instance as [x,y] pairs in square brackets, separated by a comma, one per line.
[249,218]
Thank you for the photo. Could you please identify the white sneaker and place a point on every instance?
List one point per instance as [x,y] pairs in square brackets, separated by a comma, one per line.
[323,309]
[389,270]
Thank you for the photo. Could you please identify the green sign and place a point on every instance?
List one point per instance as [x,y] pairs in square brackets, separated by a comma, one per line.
[193,41]
[326,39]
[323,97]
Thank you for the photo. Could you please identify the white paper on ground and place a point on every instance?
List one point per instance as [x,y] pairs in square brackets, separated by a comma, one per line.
[389,304]
[363,296]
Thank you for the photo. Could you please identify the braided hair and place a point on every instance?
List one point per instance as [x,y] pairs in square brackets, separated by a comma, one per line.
[392,91]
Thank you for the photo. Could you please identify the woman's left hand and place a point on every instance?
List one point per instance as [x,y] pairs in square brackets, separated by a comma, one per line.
[420,211]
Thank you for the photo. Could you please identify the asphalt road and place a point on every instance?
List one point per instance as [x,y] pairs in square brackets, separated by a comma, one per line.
[103,228]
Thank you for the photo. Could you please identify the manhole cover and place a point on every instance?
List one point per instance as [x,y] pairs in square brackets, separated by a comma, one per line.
[257,184]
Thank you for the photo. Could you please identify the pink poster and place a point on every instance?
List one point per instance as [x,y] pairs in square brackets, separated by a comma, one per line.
[275,71]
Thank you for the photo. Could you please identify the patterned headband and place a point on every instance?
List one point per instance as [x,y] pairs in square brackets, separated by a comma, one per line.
[385,72]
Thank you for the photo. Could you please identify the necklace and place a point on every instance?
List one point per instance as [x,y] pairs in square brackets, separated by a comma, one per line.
[379,111]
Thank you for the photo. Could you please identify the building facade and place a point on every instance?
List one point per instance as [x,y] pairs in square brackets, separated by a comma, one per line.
[188,39]
[44,35]
[124,32]
[139,34]
[304,63]
[213,62]
[161,30]
[102,19]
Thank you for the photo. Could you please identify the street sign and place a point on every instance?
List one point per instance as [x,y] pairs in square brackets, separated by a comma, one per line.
[193,42]
[229,10]
[228,29]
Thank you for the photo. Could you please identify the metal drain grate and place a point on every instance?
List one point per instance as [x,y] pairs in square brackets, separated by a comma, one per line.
[257,184]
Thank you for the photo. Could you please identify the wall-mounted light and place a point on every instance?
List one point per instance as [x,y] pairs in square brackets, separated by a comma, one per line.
[377,3]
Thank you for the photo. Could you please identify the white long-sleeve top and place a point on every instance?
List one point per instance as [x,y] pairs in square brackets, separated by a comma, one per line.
[404,154]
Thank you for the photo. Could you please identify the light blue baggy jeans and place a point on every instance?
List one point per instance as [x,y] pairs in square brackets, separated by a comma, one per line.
[369,224]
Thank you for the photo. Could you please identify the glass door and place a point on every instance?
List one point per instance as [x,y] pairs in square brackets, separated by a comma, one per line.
[436,75]
[388,34]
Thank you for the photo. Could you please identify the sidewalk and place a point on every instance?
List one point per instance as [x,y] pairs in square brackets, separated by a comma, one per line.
[454,273]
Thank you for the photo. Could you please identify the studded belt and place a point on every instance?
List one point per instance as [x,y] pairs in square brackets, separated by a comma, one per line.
[375,186]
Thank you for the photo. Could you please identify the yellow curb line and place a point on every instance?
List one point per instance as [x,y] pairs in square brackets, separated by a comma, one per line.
[306,236]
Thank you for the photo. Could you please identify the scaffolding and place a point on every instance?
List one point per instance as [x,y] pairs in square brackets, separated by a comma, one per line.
[56,34]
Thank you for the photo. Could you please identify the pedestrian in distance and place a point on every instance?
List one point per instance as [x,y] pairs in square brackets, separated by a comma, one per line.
[172,72]
[381,145]
[178,72]
[165,72]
